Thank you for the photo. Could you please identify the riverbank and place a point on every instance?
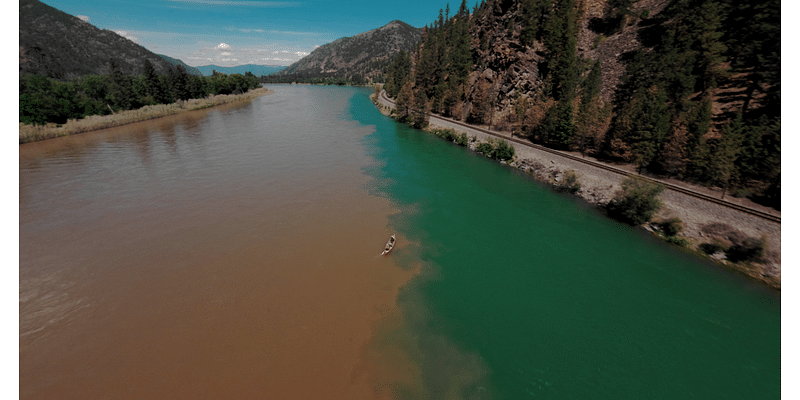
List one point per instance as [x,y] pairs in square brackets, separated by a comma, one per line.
[32,133]
[704,223]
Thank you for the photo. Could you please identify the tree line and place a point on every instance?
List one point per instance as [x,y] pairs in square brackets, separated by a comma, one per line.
[662,116]
[43,100]
[314,79]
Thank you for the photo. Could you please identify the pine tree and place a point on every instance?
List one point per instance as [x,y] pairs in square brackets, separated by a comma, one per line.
[558,127]
[534,15]
[642,124]
[180,82]
[589,110]
[698,122]
[405,100]
[397,73]
[420,111]
[121,91]
[561,41]
[721,167]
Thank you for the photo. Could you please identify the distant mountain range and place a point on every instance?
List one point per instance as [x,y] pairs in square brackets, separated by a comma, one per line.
[365,54]
[60,46]
[256,70]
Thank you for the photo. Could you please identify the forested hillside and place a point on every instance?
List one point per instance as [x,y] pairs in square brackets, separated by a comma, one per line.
[687,89]
[189,69]
[57,45]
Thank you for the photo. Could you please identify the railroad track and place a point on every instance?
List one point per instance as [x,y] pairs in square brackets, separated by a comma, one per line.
[606,167]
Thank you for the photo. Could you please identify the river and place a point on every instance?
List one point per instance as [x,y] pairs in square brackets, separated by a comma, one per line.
[234,253]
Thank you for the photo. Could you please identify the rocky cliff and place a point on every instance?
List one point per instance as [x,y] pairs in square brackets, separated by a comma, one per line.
[513,69]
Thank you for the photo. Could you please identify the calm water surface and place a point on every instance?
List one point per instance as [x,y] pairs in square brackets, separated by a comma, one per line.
[232,253]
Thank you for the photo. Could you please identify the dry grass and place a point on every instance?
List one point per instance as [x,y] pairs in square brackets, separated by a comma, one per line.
[32,133]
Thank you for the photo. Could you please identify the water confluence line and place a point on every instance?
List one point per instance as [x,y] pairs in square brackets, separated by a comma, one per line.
[673,187]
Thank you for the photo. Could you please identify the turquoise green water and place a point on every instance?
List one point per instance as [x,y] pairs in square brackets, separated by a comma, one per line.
[526,293]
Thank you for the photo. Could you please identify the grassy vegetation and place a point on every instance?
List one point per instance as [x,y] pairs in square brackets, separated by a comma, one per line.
[569,182]
[637,202]
[497,149]
[31,133]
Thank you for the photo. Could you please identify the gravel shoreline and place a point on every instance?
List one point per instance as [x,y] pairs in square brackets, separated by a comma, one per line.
[703,221]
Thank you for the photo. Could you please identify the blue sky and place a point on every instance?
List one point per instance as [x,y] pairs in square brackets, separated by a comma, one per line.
[236,32]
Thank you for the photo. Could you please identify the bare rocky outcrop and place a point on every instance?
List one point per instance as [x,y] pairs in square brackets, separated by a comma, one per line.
[365,54]
[512,69]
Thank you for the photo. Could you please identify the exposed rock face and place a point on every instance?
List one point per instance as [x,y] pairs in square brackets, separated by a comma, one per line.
[365,54]
[57,45]
[611,51]
[511,68]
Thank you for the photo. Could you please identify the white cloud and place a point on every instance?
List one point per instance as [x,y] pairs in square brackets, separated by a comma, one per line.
[127,35]
[246,30]
[271,4]
[226,55]
[82,18]
[293,32]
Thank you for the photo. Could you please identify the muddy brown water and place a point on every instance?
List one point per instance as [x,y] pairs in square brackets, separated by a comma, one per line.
[234,253]
[225,253]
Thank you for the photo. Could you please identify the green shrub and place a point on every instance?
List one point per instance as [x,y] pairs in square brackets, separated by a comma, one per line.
[446,134]
[599,39]
[570,182]
[503,150]
[678,240]
[462,140]
[486,148]
[742,193]
[748,250]
[671,227]
[712,248]
[637,202]
[497,149]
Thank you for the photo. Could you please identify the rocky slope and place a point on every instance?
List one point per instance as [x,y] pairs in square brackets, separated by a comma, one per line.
[189,69]
[60,46]
[365,54]
[513,69]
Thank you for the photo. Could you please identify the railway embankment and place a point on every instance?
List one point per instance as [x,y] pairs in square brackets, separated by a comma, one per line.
[711,224]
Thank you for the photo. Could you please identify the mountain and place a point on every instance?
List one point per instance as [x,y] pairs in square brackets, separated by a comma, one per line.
[176,62]
[256,70]
[60,46]
[365,54]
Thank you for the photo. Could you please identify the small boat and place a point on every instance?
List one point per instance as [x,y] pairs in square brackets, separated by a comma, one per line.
[389,246]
